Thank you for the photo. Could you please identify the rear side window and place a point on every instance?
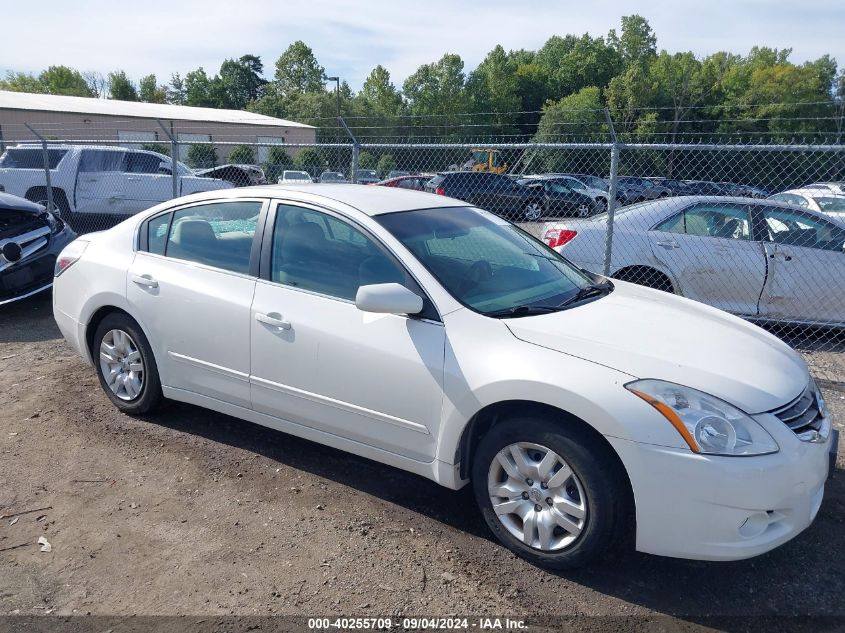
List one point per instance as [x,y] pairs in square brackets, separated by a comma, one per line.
[31,158]
[96,160]
[218,234]
[157,233]
[726,221]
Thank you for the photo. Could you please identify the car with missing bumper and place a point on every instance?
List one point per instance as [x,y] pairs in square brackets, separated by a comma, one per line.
[30,239]
[432,336]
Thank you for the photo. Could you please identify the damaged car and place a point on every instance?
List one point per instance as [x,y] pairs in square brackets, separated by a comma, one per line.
[30,239]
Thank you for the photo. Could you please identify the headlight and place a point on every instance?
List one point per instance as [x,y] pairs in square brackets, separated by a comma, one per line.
[707,424]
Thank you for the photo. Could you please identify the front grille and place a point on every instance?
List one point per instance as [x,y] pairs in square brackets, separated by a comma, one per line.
[802,414]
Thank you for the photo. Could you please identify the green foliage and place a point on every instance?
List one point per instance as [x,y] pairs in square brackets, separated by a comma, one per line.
[150,92]
[56,80]
[386,164]
[176,91]
[309,159]
[366,160]
[121,87]
[242,155]
[241,80]
[161,148]
[278,160]
[202,155]
[297,71]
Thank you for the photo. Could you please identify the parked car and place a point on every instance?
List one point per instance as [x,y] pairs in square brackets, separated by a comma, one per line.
[593,186]
[759,259]
[417,183]
[30,239]
[634,189]
[492,192]
[395,173]
[440,339]
[293,177]
[834,187]
[237,174]
[90,179]
[815,199]
[560,198]
[367,177]
[333,177]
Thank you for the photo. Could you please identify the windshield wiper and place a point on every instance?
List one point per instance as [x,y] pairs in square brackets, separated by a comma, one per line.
[593,290]
[519,311]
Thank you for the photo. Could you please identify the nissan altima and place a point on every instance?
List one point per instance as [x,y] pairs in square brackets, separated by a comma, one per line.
[423,333]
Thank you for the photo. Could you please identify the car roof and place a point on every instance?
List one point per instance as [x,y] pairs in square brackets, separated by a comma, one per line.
[813,191]
[369,200]
[676,203]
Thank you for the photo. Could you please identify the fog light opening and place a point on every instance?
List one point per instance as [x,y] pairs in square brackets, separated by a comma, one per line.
[755,524]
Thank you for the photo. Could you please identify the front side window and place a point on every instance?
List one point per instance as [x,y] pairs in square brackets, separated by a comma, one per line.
[835,205]
[724,221]
[318,252]
[486,263]
[795,228]
[218,234]
[141,163]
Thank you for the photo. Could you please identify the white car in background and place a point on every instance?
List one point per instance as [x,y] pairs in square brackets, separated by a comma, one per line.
[834,187]
[755,258]
[294,177]
[438,338]
[104,180]
[814,198]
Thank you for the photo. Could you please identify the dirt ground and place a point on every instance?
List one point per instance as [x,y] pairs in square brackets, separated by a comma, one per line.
[193,512]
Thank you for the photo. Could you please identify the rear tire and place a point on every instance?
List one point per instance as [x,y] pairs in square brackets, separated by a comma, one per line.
[648,277]
[532,211]
[125,365]
[564,520]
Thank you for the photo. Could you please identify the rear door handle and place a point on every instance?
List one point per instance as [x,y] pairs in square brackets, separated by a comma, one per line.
[783,256]
[144,280]
[668,244]
[274,318]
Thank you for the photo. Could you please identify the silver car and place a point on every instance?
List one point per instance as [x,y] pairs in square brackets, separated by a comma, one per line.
[761,259]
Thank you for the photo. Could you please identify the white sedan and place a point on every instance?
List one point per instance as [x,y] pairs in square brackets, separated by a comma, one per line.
[766,260]
[815,199]
[435,337]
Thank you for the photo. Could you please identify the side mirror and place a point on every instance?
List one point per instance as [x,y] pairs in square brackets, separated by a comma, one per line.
[390,298]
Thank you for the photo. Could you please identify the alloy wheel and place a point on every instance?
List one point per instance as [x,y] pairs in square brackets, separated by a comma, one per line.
[537,497]
[122,365]
[583,211]
[533,211]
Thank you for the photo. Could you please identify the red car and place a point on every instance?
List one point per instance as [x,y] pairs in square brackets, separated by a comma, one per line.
[417,183]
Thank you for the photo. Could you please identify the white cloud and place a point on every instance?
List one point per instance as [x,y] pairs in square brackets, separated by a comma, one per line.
[350,38]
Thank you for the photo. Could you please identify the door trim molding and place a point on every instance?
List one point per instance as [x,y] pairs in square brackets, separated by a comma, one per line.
[339,404]
[196,362]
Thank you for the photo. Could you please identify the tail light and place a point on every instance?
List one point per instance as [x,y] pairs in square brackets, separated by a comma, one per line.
[559,237]
[69,256]
[440,191]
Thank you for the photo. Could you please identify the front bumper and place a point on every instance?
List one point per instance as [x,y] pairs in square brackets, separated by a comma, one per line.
[33,274]
[723,508]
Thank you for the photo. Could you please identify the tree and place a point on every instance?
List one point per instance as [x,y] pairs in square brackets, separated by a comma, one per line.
[97,83]
[310,160]
[298,71]
[492,87]
[366,160]
[62,80]
[379,94]
[438,89]
[386,164]
[121,87]
[637,44]
[243,155]
[22,82]
[242,80]
[176,92]
[161,148]
[200,90]
[278,160]
[577,117]
[150,92]
[202,155]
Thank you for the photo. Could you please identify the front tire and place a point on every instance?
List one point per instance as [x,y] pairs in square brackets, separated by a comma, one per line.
[532,211]
[549,491]
[125,365]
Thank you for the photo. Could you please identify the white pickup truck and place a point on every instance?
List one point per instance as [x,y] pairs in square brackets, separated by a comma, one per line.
[103,180]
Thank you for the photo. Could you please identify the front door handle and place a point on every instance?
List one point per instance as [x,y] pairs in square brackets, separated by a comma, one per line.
[783,256]
[668,244]
[144,280]
[274,318]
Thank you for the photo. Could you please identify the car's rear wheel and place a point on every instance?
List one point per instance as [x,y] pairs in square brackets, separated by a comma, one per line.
[584,210]
[125,365]
[532,211]
[550,492]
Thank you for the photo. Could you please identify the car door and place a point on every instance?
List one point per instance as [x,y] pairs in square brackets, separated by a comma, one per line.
[146,183]
[100,183]
[191,286]
[562,198]
[709,251]
[318,361]
[806,266]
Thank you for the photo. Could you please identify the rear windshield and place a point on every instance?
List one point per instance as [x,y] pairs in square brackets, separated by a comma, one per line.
[30,158]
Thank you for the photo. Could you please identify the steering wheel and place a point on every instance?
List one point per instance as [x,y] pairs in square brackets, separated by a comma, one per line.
[476,274]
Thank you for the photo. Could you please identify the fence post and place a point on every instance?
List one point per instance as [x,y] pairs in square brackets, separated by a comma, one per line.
[174,156]
[356,150]
[611,193]
[50,206]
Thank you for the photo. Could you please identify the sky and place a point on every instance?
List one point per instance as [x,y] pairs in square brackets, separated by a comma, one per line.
[350,38]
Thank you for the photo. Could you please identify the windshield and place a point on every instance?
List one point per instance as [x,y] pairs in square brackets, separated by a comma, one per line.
[486,263]
[831,204]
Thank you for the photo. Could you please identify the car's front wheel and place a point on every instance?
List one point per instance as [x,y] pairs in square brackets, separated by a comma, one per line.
[125,365]
[532,211]
[548,490]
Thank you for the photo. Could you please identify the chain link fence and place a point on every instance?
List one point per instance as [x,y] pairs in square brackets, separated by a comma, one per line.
[755,229]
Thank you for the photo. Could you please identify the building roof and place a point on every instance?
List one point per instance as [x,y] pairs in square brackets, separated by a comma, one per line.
[110,107]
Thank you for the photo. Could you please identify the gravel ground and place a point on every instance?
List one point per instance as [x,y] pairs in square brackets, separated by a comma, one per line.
[193,512]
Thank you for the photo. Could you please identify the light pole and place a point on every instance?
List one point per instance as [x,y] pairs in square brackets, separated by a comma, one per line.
[337,92]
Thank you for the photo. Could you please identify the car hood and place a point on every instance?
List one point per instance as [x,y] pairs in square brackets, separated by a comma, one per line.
[651,334]
[10,203]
